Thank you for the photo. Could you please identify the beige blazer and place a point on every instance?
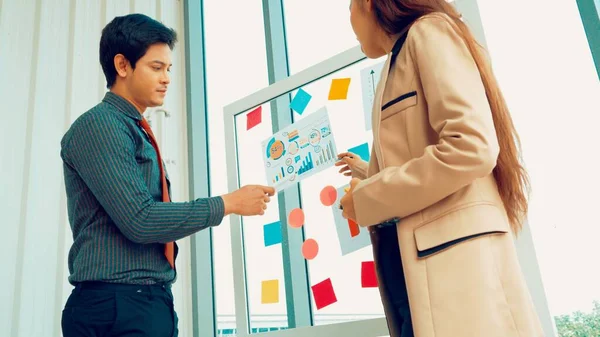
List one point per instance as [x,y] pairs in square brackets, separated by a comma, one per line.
[434,149]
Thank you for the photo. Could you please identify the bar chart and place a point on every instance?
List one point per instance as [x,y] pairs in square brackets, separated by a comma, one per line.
[279,175]
[326,155]
[307,164]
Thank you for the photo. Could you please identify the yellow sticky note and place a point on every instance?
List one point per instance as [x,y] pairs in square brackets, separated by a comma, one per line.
[339,88]
[270,292]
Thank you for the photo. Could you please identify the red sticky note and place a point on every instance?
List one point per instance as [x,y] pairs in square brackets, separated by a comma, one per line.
[253,118]
[323,294]
[354,230]
[368,277]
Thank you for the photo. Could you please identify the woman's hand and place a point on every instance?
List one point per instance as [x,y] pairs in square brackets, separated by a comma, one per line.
[349,161]
[347,201]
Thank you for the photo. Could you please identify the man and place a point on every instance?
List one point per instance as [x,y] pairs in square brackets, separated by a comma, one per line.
[122,262]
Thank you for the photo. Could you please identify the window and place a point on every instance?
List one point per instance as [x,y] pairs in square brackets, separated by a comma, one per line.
[236,65]
[262,254]
[304,18]
[341,253]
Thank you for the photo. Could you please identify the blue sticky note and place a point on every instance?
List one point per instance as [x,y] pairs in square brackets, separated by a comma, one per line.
[272,233]
[300,101]
[362,150]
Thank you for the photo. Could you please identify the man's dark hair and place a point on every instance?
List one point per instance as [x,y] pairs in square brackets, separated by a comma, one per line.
[131,35]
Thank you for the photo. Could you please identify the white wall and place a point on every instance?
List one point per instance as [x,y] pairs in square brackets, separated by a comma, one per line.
[50,74]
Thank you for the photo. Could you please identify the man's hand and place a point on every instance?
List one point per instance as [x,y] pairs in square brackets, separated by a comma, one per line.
[248,200]
[347,201]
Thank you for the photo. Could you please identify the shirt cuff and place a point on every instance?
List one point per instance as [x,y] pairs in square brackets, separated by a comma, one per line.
[216,207]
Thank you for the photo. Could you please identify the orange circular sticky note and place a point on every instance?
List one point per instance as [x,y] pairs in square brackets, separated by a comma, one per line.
[310,249]
[296,218]
[328,195]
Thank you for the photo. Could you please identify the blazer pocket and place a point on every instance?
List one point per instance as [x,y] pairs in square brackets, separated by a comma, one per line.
[398,104]
[458,226]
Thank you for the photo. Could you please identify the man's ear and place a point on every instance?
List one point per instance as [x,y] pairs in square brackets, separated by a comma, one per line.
[121,64]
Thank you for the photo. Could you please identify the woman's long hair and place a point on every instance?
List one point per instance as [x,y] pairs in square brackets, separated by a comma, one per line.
[510,175]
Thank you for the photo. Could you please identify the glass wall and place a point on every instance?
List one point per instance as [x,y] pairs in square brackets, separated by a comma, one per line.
[263,258]
[552,89]
[337,253]
[344,249]
[236,65]
[316,30]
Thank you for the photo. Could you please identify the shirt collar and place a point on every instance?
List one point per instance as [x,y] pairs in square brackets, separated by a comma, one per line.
[122,105]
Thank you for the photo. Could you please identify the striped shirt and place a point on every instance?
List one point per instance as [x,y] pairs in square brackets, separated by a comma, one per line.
[114,199]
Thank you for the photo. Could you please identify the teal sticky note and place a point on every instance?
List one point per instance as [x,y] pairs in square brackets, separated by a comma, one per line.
[300,101]
[362,150]
[272,233]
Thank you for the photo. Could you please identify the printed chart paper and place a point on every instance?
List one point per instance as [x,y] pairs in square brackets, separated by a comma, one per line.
[352,237]
[299,150]
[369,77]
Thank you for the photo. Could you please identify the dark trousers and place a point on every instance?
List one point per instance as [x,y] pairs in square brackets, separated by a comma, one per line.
[96,309]
[392,280]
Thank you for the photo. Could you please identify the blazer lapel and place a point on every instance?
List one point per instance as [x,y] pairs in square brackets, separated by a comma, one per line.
[377,102]
[376,113]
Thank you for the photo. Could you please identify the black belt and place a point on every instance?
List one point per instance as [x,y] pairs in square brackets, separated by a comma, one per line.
[94,285]
[384,226]
[389,223]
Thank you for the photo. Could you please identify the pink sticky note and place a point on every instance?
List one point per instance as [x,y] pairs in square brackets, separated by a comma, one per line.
[296,218]
[324,294]
[328,195]
[253,118]
[368,277]
[310,249]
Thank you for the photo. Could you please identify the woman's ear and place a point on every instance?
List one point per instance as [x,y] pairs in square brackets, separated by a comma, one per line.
[121,64]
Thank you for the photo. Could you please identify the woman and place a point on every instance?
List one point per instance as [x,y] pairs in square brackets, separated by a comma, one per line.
[445,161]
